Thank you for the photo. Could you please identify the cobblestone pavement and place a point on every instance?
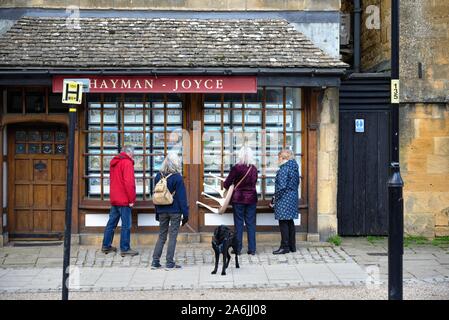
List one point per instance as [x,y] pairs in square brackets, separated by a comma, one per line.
[356,262]
[188,255]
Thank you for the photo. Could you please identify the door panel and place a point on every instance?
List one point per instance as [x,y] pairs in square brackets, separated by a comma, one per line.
[40,221]
[37,169]
[24,173]
[58,196]
[363,174]
[58,170]
[22,195]
[23,220]
[40,168]
[57,220]
[40,196]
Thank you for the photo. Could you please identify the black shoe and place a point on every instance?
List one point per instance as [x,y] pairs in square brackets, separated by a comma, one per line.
[155,265]
[107,250]
[281,251]
[292,249]
[173,266]
[253,253]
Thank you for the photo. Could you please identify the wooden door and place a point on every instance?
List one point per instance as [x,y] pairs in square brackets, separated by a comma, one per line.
[363,174]
[37,181]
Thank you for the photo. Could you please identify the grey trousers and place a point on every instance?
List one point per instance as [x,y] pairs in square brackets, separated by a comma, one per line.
[169,224]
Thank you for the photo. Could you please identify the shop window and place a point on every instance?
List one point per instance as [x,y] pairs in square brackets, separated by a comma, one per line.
[267,121]
[35,101]
[152,124]
[15,101]
[40,141]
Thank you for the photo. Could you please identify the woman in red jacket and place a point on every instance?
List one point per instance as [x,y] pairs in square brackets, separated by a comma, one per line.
[122,197]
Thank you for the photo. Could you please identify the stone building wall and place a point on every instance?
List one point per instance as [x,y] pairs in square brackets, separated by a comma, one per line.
[375,42]
[328,163]
[425,168]
[425,116]
[425,43]
[207,5]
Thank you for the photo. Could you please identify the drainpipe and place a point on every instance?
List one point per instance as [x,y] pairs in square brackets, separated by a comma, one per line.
[357,26]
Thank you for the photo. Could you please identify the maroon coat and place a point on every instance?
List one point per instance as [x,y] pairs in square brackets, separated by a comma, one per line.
[246,192]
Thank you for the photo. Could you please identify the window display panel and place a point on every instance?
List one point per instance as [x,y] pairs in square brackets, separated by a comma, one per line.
[267,121]
[152,124]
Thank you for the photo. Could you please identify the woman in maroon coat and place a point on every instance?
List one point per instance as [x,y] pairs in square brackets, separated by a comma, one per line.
[244,198]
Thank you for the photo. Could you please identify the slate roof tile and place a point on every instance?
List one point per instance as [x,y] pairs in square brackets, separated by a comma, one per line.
[47,42]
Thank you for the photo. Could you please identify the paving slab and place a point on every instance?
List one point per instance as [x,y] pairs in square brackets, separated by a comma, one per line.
[24,272]
[22,259]
[51,262]
[4,272]
[207,277]
[279,272]
[314,273]
[148,279]
[188,277]
[247,275]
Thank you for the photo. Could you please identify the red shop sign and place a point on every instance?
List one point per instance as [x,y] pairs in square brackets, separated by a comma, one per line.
[166,84]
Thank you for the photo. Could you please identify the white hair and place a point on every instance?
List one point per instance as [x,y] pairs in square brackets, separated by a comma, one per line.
[246,156]
[171,163]
[128,149]
[286,154]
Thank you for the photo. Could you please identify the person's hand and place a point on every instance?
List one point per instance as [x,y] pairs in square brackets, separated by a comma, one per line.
[184,221]
[131,205]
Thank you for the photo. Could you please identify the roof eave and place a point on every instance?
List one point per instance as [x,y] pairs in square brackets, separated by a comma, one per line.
[333,71]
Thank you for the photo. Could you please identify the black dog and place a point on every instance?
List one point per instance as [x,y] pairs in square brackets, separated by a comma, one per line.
[223,239]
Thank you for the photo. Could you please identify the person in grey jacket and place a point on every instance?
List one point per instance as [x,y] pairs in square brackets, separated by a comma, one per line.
[285,200]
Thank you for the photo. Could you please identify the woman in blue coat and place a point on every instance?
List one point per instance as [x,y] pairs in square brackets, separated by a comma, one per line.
[285,200]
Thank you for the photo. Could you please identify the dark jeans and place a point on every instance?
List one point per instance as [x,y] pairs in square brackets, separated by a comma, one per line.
[117,213]
[245,213]
[288,233]
[169,224]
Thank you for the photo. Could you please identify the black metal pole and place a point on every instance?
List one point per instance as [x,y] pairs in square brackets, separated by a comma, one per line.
[395,183]
[68,205]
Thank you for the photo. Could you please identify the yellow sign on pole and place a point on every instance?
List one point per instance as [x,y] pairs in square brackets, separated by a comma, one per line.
[394,91]
[72,92]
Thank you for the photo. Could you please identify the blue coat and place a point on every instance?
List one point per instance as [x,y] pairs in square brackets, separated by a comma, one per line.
[286,191]
[180,204]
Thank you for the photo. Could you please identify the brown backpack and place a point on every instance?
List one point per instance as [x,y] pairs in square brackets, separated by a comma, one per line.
[161,195]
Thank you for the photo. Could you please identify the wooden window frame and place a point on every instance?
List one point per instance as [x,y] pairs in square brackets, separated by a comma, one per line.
[144,201]
[263,204]
[193,110]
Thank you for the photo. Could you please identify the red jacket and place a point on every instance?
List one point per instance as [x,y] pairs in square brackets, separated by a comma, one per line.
[122,180]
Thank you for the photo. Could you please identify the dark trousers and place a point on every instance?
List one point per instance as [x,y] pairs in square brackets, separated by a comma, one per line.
[117,213]
[169,224]
[245,213]
[288,234]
